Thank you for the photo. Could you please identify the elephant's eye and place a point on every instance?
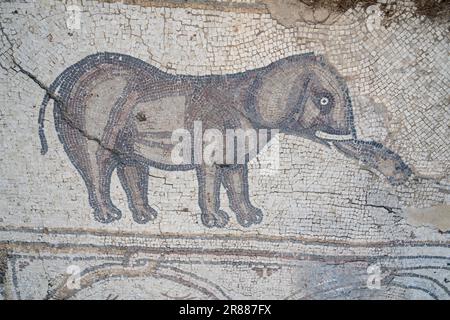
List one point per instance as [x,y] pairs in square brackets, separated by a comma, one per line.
[324,101]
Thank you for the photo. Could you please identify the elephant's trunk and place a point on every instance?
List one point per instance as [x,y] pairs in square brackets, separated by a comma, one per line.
[378,157]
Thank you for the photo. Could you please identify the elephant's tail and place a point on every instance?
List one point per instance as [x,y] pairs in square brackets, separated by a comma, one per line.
[50,94]
[44,145]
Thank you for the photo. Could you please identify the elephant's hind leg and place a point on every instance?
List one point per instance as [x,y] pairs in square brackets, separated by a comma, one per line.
[103,164]
[235,181]
[134,179]
[95,164]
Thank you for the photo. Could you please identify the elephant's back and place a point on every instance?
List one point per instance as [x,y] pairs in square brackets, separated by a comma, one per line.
[96,85]
[97,67]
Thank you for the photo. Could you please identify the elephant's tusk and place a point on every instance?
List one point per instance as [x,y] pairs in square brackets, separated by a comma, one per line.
[336,137]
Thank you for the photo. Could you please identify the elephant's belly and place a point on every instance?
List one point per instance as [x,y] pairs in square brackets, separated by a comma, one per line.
[154,122]
[155,149]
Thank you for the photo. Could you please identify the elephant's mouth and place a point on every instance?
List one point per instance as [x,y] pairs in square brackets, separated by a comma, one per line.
[334,137]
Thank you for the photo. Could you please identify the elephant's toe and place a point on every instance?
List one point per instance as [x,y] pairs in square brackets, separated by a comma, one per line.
[107,215]
[222,219]
[218,220]
[208,220]
[252,216]
[258,216]
[144,215]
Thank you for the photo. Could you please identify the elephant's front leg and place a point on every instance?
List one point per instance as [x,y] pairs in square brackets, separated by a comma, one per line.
[209,181]
[235,180]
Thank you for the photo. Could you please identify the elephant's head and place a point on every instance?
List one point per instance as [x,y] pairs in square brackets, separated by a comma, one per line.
[304,95]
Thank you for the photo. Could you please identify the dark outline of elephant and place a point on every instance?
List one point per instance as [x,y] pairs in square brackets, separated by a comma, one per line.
[310,111]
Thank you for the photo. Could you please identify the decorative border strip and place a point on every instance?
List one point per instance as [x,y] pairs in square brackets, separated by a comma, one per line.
[134,264]
[217,247]
[225,6]
[76,232]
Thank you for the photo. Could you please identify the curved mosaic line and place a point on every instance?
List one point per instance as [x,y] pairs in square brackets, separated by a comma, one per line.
[434,282]
[411,287]
[106,272]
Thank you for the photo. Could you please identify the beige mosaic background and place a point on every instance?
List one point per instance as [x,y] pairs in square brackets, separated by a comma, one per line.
[327,218]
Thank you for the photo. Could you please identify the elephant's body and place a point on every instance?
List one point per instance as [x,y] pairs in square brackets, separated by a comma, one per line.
[118,112]
[134,110]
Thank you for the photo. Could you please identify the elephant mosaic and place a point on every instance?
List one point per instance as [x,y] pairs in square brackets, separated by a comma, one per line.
[116,112]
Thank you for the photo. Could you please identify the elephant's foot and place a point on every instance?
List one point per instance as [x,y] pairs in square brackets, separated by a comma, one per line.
[248,215]
[107,214]
[219,219]
[143,214]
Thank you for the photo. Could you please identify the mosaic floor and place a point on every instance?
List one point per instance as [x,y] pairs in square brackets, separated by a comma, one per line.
[249,149]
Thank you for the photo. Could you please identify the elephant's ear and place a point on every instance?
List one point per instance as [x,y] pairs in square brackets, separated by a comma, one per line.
[278,90]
